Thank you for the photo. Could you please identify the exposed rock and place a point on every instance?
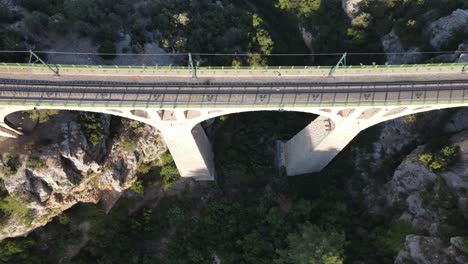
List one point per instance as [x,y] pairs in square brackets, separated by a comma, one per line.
[458,243]
[351,7]
[428,250]
[308,39]
[77,172]
[457,122]
[412,179]
[442,31]
[410,176]
[462,53]
[396,53]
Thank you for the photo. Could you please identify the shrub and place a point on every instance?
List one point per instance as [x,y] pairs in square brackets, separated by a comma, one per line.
[91,127]
[169,174]
[107,50]
[392,240]
[166,159]
[34,162]
[13,249]
[63,219]
[312,244]
[36,22]
[138,187]
[42,116]
[11,165]
[6,16]
[440,160]
[129,144]
[15,206]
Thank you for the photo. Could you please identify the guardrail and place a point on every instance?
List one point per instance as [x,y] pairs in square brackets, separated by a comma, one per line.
[279,97]
[259,68]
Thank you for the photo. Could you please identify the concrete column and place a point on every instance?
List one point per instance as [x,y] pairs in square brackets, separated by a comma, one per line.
[190,149]
[316,145]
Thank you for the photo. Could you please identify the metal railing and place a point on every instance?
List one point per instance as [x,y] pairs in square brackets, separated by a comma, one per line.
[216,95]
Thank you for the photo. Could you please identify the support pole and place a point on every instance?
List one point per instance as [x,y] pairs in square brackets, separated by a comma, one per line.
[31,54]
[192,67]
[342,62]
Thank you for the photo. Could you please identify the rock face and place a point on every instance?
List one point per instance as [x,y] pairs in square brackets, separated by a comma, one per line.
[444,29]
[428,250]
[75,172]
[392,44]
[351,7]
[433,200]
[434,203]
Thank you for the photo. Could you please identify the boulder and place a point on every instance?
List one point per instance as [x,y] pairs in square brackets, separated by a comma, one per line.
[427,250]
[392,44]
[443,30]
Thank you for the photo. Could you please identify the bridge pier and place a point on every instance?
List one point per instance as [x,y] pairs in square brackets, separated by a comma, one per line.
[313,148]
[190,149]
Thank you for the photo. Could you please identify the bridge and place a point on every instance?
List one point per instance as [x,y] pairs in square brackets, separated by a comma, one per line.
[175,100]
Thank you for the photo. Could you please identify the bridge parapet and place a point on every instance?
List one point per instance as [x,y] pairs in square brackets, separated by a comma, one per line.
[265,71]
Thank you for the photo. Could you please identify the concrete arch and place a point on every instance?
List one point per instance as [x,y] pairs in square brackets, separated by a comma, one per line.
[309,151]
[231,111]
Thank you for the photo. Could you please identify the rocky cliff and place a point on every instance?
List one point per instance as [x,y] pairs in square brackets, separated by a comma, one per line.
[434,203]
[61,168]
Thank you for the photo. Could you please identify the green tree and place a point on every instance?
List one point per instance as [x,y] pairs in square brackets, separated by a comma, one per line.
[138,187]
[92,127]
[42,116]
[313,244]
[362,20]
[302,7]
[107,50]
[36,22]
[12,250]
[391,240]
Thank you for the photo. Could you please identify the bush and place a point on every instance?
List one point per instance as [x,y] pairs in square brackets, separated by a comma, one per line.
[6,16]
[129,144]
[36,22]
[107,50]
[92,127]
[392,240]
[15,206]
[313,245]
[169,174]
[440,160]
[42,116]
[11,165]
[34,162]
[13,249]
[166,159]
[63,219]
[138,187]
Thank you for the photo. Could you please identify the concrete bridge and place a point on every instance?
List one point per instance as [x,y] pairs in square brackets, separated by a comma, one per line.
[168,98]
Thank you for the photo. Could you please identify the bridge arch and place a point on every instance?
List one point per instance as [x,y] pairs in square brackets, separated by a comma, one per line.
[308,151]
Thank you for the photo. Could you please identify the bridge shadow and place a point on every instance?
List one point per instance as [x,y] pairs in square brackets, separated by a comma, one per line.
[244,144]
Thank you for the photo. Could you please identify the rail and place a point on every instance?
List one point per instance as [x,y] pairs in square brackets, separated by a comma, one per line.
[222,94]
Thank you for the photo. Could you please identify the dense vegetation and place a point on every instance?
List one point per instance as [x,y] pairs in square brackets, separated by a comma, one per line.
[92,127]
[254,27]
[263,217]
[253,214]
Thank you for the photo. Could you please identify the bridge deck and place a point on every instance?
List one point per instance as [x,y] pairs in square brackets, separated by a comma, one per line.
[272,87]
[231,94]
